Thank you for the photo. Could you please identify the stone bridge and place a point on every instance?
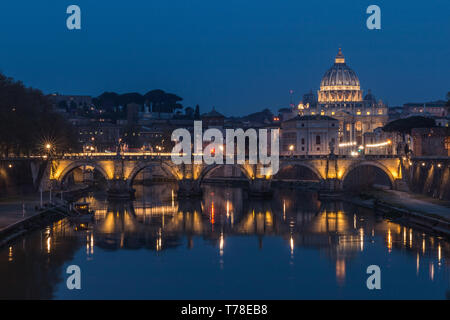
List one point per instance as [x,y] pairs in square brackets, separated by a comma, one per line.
[120,171]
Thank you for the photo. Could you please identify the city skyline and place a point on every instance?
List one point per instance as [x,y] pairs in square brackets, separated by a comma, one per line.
[237,62]
[200,153]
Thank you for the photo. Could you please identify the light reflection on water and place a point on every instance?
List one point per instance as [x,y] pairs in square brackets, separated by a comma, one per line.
[227,247]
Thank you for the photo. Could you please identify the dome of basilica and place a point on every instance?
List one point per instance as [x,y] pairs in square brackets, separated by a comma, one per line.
[339,83]
[340,74]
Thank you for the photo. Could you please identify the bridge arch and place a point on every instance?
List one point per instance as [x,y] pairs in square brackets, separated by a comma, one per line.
[79,164]
[167,168]
[211,168]
[375,164]
[303,164]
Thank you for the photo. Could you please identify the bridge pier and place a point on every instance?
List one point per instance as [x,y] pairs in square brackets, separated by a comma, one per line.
[260,188]
[331,185]
[330,188]
[119,190]
[189,188]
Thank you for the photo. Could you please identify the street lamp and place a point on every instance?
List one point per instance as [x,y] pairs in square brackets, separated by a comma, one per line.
[48,148]
[291,149]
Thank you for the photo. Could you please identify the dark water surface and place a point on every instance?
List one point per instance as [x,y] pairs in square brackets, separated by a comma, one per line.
[226,247]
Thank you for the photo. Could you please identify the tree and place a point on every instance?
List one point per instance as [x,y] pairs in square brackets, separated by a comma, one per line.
[197,113]
[28,121]
[158,101]
[406,124]
[133,97]
[155,98]
[171,102]
[108,100]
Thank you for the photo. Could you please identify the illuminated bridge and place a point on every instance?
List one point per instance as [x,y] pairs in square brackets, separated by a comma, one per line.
[331,173]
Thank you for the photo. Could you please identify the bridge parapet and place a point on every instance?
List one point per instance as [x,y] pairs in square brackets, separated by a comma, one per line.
[120,171]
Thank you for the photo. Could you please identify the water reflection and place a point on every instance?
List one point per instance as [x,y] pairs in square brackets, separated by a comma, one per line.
[316,236]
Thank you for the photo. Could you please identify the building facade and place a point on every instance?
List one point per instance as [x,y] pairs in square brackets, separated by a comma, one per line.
[309,135]
[431,141]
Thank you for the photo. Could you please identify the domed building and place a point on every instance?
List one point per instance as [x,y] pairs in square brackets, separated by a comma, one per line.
[340,96]
[340,83]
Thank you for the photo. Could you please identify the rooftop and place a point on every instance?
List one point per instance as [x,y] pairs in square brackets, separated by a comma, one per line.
[311,118]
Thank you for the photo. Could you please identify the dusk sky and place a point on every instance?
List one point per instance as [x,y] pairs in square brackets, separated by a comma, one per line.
[239,56]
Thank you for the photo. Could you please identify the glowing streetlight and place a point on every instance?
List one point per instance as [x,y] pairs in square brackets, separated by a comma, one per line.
[291,150]
[48,146]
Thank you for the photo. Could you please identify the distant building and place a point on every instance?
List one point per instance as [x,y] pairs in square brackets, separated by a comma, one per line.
[395,113]
[309,135]
[431,109]
[431,141]
[286,114]
[133,113]
[442,121]
[213,119]
[69,101]
[99,136]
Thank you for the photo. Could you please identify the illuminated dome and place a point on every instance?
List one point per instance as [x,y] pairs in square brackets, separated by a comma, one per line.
[339,83]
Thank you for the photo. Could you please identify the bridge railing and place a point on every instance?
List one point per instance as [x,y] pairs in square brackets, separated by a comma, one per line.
[167,155]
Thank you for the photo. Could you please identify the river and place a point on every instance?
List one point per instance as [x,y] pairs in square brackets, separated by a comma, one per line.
[225,246]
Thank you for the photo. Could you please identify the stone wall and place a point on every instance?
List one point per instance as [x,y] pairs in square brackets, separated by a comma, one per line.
[15,178]
[431,178]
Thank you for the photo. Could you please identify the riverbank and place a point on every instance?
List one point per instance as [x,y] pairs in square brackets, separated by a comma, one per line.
[19,216]
[415,210]
[41,219]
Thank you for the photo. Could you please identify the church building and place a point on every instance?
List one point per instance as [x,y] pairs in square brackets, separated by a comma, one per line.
[340,97]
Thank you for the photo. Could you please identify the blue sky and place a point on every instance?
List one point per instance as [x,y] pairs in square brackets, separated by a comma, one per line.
[239,56]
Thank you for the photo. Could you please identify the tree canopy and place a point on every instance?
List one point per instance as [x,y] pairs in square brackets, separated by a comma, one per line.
[157,100]
[405,125]
[28,121]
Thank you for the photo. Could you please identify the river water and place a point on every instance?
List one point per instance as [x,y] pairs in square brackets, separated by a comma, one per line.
[225,246]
